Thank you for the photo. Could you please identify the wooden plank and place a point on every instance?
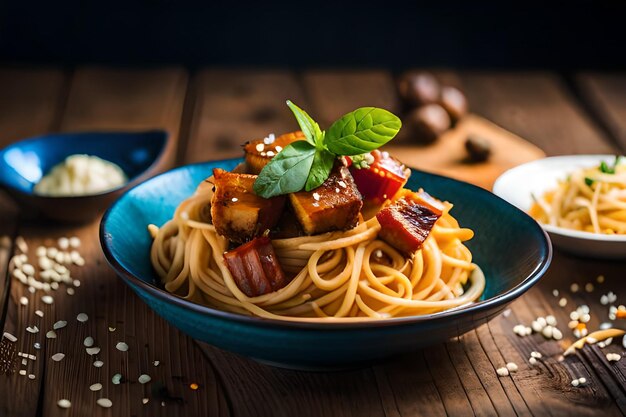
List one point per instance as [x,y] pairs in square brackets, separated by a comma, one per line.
[228,103]
[128,99]
[605,94]
[537,107]
[29,106]
[234,106]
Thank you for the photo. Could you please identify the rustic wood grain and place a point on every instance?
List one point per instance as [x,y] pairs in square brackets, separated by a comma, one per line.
[605,94]
[128,99]
[537,107]
[231,107]
[229,103]
[29,106]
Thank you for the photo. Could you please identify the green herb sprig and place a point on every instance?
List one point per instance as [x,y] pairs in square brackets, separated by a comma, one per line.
[306,164]
[605,168]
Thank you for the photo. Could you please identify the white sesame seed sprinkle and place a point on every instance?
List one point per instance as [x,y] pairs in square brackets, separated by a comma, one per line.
[58,357]
[31,357]
[74,242]
[9,337]
[39,313]
[64,243]
[574,287]
[278,149]
[51,334]
[512,367]
[95,387]
[316,196]
[23,372]
[82,317]
[342,184]
[582,380]
[104,402]
[234,199]
[555,292]
[93,350]
[37,345]
[563,302]
[111,329]
[47,299]
[76,283]
[145,400]
[532,361]
[575,382]
[33,329]
[31,376]
[613,357]
[98,364]
[121,346]
[70,291]
[502,371]
[270,153]
[144,379]
[116,379]
[23,301]
[88,342]
[260,147]
[59,324]
[28,269]
[156,363]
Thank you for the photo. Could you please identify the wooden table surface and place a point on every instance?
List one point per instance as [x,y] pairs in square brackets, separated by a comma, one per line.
[209,113]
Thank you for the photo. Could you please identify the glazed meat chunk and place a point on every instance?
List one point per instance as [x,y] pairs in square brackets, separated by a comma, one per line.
[335,205]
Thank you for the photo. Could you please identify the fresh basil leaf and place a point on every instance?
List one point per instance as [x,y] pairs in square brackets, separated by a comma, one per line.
[361,131]
[287,172]
[309,127]
[320,170]
[604,167]
[588,181]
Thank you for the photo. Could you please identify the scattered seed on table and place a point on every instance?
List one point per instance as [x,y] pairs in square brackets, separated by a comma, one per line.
[63,243]
[82,317]
[121,346]
[59,324]
[575,382]
[21,244]
[23,372]
[76,283]
[36,345]
[23,301]
[63,403]
[104,402]
[145,400]
[532,361]
[31,290]
[111,329]
[95,387]
[502,371]
[144,379]
[512,367]
[88,342]
[33,329]
[39,313]
[31,376]
[58,357]
[40,251]
[47,299]
[93,350]
[613,357]
[98,364]
[74,242]
[574,287]
[28,269]
[70,291]
[116,379]
[156,363]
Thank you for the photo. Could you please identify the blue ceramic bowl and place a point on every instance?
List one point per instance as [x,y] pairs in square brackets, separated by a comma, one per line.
[510,247]
[24,163]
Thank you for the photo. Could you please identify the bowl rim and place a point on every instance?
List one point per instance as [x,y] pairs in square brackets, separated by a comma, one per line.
[557,230]
[493,302]
[132,182]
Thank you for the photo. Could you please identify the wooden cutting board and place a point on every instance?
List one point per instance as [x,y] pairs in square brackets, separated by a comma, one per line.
[447,156]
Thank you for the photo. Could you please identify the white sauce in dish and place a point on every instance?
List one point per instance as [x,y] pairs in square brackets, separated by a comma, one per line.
[81,175]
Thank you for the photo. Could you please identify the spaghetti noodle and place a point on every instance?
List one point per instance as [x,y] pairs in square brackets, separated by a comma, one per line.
[591,200]
[337,276]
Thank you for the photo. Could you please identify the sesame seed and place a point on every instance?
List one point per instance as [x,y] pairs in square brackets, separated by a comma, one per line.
[156,363]
[59,324]
[51,334]
[92,350]
[23,372]
[263,154]
[98,364]
[76,283]
[82,317]
[88,342]
[613,357]
[57,357]
[551,320]
[547,332]
[64,243]
[259,147]
[563,302]
[502,371]
[121,346]
[31,357]
[575,382]
[33,329]
[104,402]
[556,334]
[555,292]
[116,379]
[31,376]
[74,242]
[70,291]
[507,312]
[47,299]
[64,403]
[52,252]
[95,387]
[270,153]
[582,380]
[37,345]
[145,400]
[574,287]
[512,367]
[278,149]
[342,184]
[9,337]
[28,269]
[316,196]
[39,313]
[532,361]
[21,244]
[144,379]
[111,329]
[23,301]
[535,354]
[234,199]
[606,325]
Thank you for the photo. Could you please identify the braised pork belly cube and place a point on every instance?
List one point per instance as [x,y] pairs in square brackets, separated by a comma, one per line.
[335,205]
[236,212]
[255,267]
[405,225]
[259,152]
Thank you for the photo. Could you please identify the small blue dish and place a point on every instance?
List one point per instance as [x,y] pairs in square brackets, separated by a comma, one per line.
[510,247]
[24,163]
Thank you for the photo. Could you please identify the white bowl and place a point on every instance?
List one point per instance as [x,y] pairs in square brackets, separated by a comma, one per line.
[518,184]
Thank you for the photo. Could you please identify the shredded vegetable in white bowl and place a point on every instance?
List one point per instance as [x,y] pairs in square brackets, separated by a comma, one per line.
[580,200]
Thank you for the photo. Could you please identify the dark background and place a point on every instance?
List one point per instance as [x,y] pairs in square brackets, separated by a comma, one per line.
[561,36]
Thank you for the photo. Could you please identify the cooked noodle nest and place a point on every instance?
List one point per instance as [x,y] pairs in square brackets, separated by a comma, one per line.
[342,276]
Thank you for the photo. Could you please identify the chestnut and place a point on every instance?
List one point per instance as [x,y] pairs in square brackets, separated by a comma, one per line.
[420,88]
[454,101]
[428,122]
[478,149]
